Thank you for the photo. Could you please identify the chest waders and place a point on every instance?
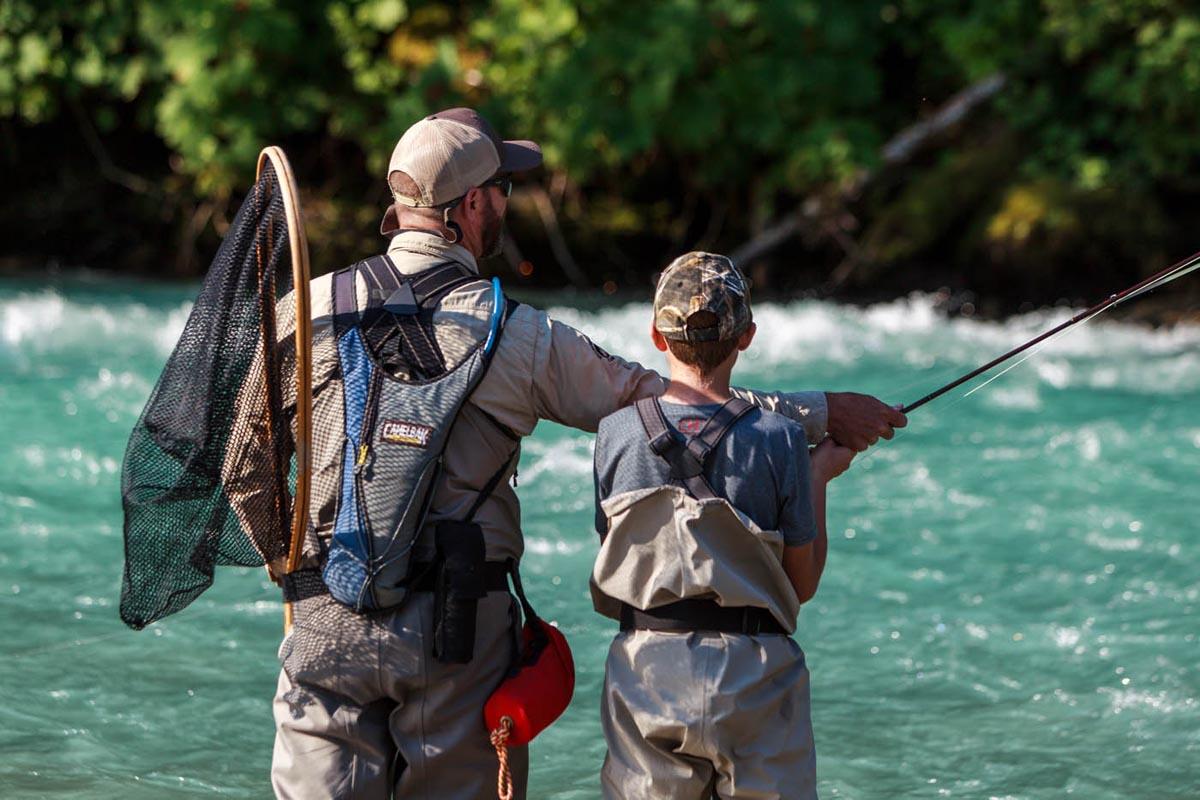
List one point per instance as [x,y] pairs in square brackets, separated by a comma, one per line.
[710,533]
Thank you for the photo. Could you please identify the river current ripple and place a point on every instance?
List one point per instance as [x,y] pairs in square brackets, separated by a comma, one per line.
[1009,609]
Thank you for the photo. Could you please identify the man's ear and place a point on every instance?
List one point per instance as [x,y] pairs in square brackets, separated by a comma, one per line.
[659,340]
[472,199]
[747,337]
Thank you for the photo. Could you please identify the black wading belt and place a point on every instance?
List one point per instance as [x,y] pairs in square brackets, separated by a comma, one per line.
[684,616]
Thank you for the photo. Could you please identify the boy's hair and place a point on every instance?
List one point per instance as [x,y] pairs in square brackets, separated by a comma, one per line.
[704,356]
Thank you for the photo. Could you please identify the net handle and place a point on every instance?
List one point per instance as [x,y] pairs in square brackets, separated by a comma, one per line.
[301,275]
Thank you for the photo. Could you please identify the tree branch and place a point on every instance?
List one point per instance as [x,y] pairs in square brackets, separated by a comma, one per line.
[132,182]
[558,244]
[899,150]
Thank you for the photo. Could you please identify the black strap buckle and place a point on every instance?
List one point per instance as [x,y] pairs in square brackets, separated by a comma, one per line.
[663,443]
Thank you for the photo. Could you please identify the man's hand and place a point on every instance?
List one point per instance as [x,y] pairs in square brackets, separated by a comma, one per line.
[858,421]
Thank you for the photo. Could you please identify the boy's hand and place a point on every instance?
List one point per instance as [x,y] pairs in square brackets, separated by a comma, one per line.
[858,421]
[829,459]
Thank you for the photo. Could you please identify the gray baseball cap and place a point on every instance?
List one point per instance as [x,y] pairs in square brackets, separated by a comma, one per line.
[696,289]
[448,153]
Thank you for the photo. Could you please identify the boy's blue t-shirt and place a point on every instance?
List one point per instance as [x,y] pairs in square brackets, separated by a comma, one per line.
[761,466]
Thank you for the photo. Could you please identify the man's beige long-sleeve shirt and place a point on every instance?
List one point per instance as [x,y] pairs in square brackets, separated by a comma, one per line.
[542,369]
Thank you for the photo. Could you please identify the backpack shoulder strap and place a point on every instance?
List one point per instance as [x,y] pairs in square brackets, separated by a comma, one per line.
[345,301]
[431,285]
[685,466]
[396,301]
[379,281]
[382,281]
[382,276]
[405,295]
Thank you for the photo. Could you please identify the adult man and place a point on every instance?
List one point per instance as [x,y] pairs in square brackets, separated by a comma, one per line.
[363,707]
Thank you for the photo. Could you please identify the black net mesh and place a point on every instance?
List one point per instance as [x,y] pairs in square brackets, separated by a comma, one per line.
[218,406]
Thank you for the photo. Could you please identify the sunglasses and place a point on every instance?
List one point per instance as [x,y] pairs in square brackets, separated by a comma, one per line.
[504,183]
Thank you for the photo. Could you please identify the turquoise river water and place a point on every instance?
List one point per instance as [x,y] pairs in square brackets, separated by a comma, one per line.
[1010,607]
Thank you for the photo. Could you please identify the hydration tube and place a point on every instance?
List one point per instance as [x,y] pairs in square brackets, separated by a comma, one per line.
[497,315]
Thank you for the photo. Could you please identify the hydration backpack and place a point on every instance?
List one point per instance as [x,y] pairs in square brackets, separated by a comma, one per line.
[396,428]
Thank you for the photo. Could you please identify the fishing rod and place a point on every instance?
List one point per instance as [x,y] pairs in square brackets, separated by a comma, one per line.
[1169,274]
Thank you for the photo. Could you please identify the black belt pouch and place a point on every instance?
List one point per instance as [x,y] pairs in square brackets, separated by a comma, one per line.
[460,584]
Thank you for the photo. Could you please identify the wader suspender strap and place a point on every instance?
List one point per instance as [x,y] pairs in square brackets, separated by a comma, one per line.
[688,458]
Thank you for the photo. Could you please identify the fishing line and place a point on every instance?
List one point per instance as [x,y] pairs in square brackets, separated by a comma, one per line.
[1160,282]
[52,648]
[1172,273]
[940,375]
[1032,352]
[1178,270]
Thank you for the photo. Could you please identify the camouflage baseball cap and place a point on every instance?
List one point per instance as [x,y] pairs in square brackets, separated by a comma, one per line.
[701,297]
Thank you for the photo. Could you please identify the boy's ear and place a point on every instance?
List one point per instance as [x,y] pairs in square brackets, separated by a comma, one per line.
[747,337]
[659,340]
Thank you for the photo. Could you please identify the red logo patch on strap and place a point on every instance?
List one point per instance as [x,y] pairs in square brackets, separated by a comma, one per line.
[398,431]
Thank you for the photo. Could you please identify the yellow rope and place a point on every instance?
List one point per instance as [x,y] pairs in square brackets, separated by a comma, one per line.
[504,788]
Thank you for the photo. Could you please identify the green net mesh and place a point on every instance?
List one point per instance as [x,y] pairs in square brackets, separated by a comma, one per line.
[217,407]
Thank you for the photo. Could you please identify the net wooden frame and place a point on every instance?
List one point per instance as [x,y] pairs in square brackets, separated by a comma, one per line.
[301,275]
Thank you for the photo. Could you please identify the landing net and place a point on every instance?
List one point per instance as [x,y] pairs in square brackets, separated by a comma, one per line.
[210,473]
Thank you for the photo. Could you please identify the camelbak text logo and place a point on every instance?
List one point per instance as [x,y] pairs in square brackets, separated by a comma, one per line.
[400,432]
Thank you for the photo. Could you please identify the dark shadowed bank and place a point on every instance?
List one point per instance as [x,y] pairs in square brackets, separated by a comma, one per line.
[1010,154]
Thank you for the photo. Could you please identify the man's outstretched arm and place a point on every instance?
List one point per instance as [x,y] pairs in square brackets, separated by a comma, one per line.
[810,409]
[576,383]
[852,420]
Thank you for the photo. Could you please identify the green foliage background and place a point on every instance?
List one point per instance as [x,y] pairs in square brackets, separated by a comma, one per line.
[129,127]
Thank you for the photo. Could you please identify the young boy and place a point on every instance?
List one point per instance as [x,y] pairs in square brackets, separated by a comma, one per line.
[712,521]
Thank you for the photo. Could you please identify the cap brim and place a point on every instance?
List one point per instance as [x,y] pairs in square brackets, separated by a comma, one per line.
[391,221]
[520,156]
